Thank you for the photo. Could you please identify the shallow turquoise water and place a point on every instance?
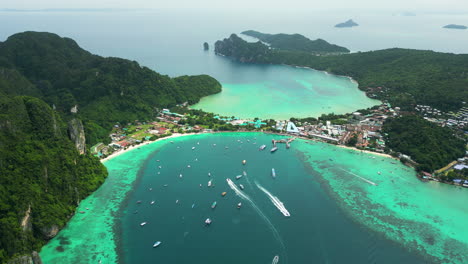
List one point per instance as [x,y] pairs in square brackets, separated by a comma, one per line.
[337,216]
[285,92]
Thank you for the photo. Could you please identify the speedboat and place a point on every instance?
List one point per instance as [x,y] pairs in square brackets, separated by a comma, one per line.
[143,223]
[208,221]
[239,205]
[275,260]
[209,183]
[180,175]
[188,166]
[152,202]
[238,177]
[274,149]
[273,173]
[262,147]
[157,243]
[223,194]
[209,174]
[213,205]
[193,147]
[244,162]
[241,186]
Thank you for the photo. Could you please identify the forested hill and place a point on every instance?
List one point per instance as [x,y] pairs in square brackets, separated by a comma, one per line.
[296,42]
[45,170]
[105,90]
[404,77]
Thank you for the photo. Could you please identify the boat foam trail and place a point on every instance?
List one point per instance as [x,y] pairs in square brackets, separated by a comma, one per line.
[366,180]
[275,200]
[244,196]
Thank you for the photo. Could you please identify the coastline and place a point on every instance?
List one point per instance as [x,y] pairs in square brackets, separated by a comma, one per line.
[120,152]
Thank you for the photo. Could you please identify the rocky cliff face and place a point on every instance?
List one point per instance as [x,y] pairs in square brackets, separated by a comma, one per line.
[50,232]
[34,258]
[77,134]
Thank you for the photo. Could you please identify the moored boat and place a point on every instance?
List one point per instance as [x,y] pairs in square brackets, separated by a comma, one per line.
[244,162]
[157,243]
[208,221]
[239,205]
[209,183]
[241,186]
[223,194]
[262,147]
[143,223]
[275,260]
[274,149]
[273,173]
[238,177]
[213,205]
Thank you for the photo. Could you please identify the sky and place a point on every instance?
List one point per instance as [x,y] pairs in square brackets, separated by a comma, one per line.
[405,5]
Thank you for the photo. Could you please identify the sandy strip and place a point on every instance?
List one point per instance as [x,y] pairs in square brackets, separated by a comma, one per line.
[368,151]
[122,151]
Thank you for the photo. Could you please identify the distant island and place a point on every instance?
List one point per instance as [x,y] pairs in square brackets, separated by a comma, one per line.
[296,42]
[349,23]
[453,26]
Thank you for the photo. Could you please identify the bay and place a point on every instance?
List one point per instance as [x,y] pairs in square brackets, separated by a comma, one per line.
[336,217]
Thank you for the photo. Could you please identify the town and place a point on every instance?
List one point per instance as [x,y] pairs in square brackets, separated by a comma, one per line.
[361,129]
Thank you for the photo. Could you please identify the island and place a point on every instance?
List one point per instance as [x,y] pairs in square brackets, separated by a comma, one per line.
[411,81]
[453,26]
[347,24]
[296,42]
[57,100]
[206,46]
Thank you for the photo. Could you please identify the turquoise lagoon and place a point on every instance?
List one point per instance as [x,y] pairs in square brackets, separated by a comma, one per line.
[337,215]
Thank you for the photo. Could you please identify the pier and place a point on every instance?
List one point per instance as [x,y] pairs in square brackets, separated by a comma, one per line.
[287,141]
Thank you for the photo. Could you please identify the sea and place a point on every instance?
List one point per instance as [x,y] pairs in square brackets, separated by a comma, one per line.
[345,206]
[170,41]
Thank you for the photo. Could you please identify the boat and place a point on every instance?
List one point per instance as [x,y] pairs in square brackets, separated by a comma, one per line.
[262,147]
[200,185]
[193,147]
[157,243]
[244,162]
[239,205]
[150,189]
[209,183]
[223,194]
[193,205]
[152,202]
[244,173]
[177,201]
[273,173]
[241,186]
[208,221]
[274,149]
[213,205]
[188,166]
[180,175]
[275,260]
[165,185]
[143,223]
[379,172]
[209,174]
[238,177]
[138,202]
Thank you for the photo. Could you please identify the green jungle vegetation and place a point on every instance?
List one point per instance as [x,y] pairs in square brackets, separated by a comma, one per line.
[106,90]
[296,42]
[431,146]
[41,172]
[42,78]
[403,77]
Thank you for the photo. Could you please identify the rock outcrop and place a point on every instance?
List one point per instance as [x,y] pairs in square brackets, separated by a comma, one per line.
[77,134]
[34,258]
[50,232]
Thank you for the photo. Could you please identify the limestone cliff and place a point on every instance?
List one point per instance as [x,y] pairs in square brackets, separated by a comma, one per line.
[34,258]
[77,134]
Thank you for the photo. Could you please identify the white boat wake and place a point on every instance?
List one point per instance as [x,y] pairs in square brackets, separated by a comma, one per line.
[275,200]
[241,194]
[366,180]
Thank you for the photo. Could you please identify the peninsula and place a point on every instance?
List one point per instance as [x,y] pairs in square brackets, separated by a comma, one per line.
[296,42]
[453,26]
[347,24]
[56,101]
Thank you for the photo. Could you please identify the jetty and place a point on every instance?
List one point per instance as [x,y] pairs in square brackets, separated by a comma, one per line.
[286,141]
